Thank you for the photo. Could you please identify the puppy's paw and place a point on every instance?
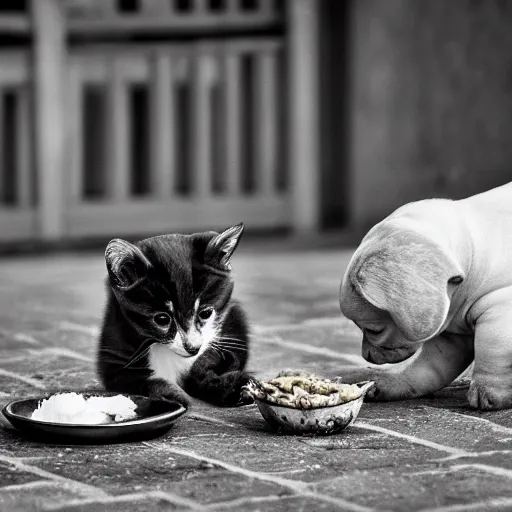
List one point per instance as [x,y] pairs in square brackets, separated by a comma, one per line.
[356,376]
[487,397]
[388,386]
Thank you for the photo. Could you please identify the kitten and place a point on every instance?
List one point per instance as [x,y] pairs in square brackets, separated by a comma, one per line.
[170,328]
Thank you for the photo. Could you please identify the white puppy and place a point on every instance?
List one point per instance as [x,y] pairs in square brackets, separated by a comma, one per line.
[431,288]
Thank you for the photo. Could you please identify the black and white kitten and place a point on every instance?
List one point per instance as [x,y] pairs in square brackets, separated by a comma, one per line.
[170,326]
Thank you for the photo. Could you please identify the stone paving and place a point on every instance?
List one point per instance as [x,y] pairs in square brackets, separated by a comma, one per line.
[428,454]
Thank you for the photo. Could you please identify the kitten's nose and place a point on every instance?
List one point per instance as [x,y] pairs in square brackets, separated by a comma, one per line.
[192,351]
[189,347]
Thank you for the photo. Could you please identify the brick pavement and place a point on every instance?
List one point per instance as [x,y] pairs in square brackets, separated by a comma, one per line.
[429,454]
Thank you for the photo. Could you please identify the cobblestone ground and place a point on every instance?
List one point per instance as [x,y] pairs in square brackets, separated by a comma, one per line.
[429,454]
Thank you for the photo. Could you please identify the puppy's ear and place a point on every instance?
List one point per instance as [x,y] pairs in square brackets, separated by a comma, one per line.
[410,277]
[126,263]
[220,248]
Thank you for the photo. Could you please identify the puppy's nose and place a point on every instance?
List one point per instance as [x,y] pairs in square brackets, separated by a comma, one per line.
[367,354]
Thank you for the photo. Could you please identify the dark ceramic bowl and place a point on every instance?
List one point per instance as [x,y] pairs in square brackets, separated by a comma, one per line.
[154,418]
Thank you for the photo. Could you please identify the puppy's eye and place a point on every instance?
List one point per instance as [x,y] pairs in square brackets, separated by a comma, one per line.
[205,313]
[162,319]
[374,332]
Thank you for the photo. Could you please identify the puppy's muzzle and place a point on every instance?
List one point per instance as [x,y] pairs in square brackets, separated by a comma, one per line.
[383,355]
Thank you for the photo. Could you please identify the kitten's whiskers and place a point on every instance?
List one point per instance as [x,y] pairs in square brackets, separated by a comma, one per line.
[227,338]
[119,356]
[141,352]
[228,347]
[231,343]
[221,353]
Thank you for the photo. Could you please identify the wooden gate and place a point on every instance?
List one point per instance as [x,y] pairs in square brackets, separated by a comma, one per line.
[17,180]
[176,137]
[151,137]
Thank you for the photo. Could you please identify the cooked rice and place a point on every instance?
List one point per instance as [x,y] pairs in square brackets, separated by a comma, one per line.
[74,409]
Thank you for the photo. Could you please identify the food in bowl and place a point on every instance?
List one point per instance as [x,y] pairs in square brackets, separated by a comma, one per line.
[303,391]
[300,403]
[75,409]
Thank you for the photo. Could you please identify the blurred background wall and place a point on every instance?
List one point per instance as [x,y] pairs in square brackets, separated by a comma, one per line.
[430,107]
[137,117]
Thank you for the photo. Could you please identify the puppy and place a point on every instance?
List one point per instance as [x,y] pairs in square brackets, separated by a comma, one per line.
[431,289]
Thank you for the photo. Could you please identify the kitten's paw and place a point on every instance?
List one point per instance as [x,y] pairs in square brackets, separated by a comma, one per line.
[245,399]
[486,396]
[181,398]
[233,395]
[169,392]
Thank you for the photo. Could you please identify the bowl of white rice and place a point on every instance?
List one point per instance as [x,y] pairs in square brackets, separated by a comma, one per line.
[92,417]
[76,409]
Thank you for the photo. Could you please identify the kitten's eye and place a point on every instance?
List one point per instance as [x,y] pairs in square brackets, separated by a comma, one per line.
[162,319]
[205,313]
[374,332]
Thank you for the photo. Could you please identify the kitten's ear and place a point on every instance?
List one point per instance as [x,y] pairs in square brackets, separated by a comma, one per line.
[222,246]
[126,263]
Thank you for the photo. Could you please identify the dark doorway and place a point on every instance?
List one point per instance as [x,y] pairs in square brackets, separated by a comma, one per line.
[334,122]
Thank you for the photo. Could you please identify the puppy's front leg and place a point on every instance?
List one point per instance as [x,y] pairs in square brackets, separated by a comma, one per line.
[491,385]
[438,362]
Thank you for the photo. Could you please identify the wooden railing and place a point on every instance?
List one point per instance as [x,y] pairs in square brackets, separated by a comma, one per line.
[97,16]
[17,184]
[136,16]
[134,138]
[176,137]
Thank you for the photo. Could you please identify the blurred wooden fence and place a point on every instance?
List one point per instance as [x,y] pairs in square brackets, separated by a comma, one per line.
[134,138]
[17,177]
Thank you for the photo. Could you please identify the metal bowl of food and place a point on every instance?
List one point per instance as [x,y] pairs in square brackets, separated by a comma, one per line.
[300,403]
